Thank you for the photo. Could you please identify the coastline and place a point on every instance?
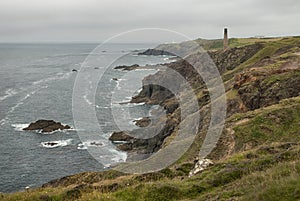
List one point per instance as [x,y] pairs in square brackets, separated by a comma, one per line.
[135,148]
[260,139]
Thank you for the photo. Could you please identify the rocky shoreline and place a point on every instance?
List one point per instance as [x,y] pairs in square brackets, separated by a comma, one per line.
[252,92]
[156,52]
[258,148]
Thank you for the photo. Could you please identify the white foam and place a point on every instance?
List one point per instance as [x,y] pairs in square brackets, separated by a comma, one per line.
[58,76]
[58,130]
[118,85]
[145,69]
[19,127]
[85,145]
[139,90]
[142,103]
[3,121]
[21,102]
[87,100]
[118,156]
[70,129]
[58,143]
[8,93]
[133,121]
[47,133]
[107,135]
[81,147]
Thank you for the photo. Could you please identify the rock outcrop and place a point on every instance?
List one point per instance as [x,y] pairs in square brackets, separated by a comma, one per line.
[259,91]
[125,142]
[144,122]
[46,126]
[156,52]
[231,58]
[252,87]
[120,136]
[127,68]
[138,141]
[200,165]
[259,139]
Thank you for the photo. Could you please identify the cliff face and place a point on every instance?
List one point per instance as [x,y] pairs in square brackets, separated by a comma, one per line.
[154,94]
[255,76]
[258,149]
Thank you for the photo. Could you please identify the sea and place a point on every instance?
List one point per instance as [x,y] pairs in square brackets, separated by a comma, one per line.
[37,82]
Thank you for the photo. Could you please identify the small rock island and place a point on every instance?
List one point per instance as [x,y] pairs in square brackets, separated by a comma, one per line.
[46,126]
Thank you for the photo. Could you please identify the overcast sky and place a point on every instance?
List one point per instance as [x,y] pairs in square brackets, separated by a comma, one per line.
[97,20]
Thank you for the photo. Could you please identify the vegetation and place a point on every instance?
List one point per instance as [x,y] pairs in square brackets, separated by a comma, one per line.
[257,157]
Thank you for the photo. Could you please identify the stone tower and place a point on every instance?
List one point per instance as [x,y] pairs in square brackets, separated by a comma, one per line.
[225,41]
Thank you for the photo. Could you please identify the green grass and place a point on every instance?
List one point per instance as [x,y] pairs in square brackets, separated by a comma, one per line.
[272,168]
[232,94]
[265,164]
[239,42]
[274,124]
[271,46]
[280,77]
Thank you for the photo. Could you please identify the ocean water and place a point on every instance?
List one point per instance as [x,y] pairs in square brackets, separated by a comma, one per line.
[37,82]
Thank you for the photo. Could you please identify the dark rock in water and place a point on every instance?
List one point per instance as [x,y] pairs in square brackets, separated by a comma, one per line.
[50,143]
[120,136]
[74,70]
[144,122]
[97,143]
[125,142]
[46,126]
[128,68]
[96,68]
[115,79]
[156,52]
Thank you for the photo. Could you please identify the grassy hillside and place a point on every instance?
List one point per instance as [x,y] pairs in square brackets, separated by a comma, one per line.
[257,156]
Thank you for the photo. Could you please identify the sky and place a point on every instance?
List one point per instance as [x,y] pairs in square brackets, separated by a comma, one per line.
[98,20]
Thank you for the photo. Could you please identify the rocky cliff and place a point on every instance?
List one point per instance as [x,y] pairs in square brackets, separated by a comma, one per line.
[257,156]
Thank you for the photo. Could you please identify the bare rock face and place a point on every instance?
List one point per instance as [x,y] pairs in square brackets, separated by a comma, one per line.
[125,142]
[120,137]
[229,59]
[257,89]
[200,165]
[144,122]
[46,126]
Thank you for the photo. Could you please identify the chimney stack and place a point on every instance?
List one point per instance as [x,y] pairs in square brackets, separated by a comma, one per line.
[225,41]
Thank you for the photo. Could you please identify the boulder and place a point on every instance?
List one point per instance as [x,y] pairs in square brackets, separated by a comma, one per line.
[200,165]
[120,136]
[46,126]
[144,122]
[94,143]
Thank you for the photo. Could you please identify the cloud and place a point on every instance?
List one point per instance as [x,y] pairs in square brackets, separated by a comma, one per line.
[90,20]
